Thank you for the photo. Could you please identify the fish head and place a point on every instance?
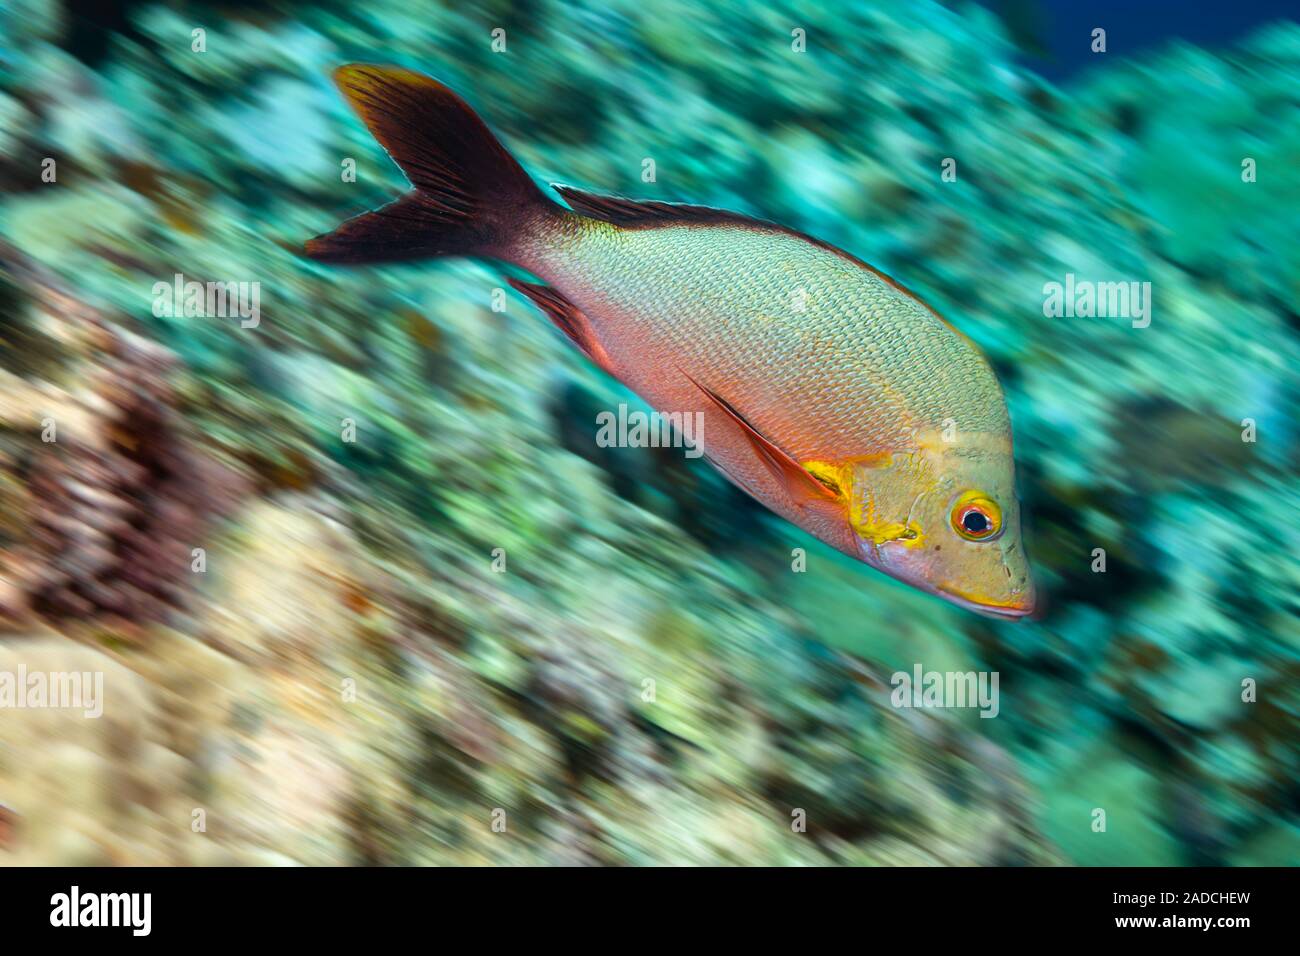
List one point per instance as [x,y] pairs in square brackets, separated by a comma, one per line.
[945,519]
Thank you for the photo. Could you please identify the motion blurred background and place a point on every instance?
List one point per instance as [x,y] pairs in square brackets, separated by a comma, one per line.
[471,635]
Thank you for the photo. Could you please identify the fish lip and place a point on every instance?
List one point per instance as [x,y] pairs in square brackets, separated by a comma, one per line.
[1008,611]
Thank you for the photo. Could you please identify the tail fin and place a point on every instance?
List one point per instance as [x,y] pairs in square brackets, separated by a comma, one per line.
[469,192]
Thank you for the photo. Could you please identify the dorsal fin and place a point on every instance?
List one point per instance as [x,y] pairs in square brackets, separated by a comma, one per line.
[648,213]
[567,317]
[798,481]
[629,212]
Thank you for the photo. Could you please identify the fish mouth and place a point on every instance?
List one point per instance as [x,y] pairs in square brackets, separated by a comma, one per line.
[1019,605]
[1007,610]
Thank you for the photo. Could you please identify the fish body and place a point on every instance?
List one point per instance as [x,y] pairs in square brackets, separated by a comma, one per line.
[828,391]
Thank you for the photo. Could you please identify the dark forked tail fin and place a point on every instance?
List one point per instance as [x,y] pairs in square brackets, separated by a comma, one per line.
[469,192]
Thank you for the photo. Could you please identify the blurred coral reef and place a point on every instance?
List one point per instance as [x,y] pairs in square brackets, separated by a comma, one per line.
[349,681]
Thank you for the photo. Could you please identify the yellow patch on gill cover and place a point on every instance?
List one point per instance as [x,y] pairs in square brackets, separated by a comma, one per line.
[838,477]
[882,531]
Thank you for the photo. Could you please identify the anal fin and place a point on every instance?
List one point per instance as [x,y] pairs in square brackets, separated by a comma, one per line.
[567,317]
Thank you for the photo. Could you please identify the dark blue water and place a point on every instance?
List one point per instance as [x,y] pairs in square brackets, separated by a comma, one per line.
[1056,35]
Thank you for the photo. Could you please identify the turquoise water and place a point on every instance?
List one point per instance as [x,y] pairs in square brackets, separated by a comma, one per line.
[1160,690]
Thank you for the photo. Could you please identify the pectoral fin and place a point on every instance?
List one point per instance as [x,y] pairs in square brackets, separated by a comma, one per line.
[798,481]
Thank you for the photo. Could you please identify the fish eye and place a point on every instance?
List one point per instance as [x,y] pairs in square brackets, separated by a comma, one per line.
[976,517]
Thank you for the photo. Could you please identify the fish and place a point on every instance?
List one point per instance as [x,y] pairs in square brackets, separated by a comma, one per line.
[828,391]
